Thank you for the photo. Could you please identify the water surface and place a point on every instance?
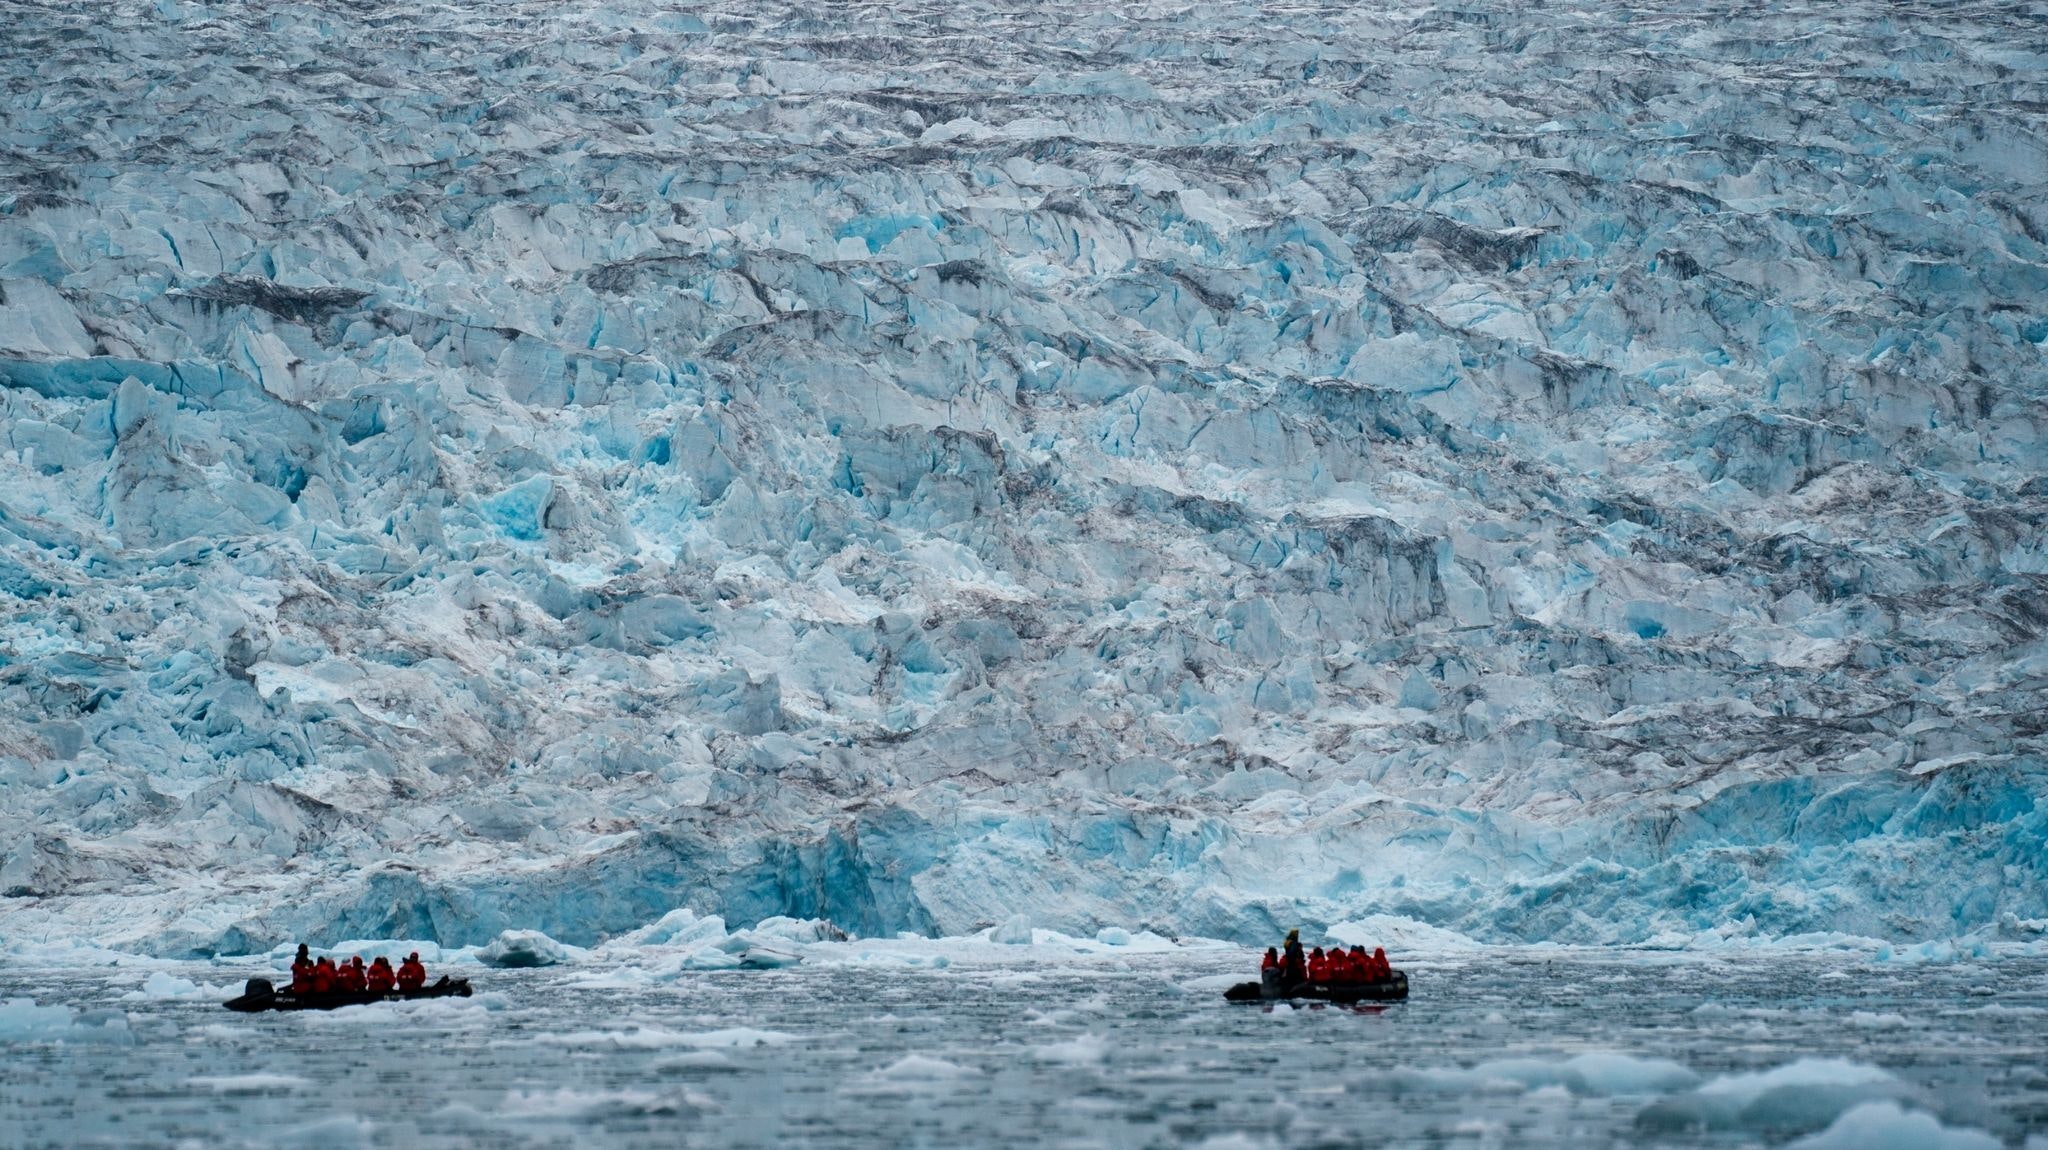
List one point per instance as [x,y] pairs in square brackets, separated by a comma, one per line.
[1523,1049]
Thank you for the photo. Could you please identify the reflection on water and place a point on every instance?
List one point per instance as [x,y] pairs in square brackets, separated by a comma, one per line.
[1511,1049]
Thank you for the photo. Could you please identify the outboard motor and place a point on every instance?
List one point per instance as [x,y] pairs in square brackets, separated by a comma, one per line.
[257,988]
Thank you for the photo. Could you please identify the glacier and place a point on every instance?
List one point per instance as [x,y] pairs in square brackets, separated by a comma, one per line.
[1569,473]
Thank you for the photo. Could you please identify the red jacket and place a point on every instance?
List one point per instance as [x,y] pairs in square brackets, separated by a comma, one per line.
[323,976]
[380,978]
[411,975]
[302,977]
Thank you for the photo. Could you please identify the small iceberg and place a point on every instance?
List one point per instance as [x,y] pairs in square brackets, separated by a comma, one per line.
[522,948]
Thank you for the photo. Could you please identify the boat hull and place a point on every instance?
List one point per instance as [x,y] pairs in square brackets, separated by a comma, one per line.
[1393,989]
[259,996]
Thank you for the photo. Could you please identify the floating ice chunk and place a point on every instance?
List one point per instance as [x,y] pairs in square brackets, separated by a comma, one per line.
[796,930]
[1801,1095]
[455,1013]
[1940,950]
[694,1061]
[1596,1074]
[1236,1141]
[161,986]
[1885,1126]
[912,1074]
[1086,1050]
[735,1037]
[624,978]
[219,1033]
[638,1038]
[1014,931]
[767,958]
[1113,936]
[249,1083]
[899,958]
[1602,1073]
[1868,1020]
[708,958]
[21,1021]
[523,948]
[1803,1074]
[681,927]
[585,1105]
[341,1132]
[2001,1010]
[922,1068]
[656,1038]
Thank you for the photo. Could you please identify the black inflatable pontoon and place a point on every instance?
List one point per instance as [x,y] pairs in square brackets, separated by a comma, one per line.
[1391,989]
[259,996]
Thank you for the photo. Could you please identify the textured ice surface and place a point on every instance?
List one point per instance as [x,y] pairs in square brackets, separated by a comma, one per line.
[1566,471]
[1884,1126]
[515,948]
[1515,1048]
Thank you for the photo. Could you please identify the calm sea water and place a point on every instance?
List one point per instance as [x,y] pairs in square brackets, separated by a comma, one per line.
[1513,1049]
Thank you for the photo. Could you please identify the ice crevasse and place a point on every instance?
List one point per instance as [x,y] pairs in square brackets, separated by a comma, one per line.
[1541,475]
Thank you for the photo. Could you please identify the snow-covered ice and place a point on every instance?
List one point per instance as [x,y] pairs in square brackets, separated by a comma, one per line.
[522,948]
[1559,472]
[1884,1126]
[24,1021]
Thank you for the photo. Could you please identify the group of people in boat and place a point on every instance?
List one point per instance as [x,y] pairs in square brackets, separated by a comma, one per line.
[1289,966]
[325,976]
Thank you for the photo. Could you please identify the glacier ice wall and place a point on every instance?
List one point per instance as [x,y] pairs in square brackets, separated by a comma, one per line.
[1564,472]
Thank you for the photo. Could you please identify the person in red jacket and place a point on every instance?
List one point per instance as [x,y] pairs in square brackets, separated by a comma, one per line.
[411,975]
[1380,967]
[381,978]
[1271,961]
[1318,966]
[302,972]
[1342,968]
[350,976]
[323,975]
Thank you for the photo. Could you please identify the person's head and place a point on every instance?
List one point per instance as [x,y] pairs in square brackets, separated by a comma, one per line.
[302,950]
[1272,952]
[413,957]
[357,961]
[1293,936]
[1379,952]
[1316,953]
[325,961]
[1358,952]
